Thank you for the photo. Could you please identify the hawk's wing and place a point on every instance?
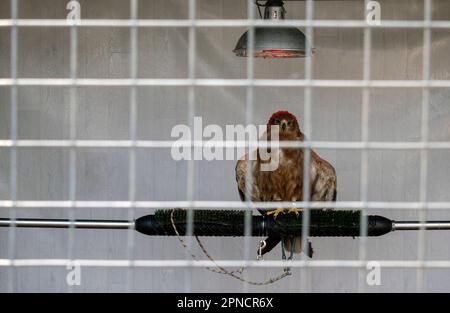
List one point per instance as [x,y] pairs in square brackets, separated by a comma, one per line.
[246,192]
[323,179]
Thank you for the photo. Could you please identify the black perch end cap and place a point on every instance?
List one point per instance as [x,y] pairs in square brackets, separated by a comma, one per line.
[149,226]
[378,225]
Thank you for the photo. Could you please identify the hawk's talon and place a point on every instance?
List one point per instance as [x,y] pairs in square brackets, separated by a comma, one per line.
[275,212]
[295,210]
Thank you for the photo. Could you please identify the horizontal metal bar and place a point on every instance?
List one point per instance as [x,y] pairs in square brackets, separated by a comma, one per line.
[180,82]
[415,24]
[225,263]
[60,223]
[379,145]
[394,205]
[433,225]
[123,224]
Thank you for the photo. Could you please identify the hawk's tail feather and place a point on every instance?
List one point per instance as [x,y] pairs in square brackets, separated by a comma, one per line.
[294,244]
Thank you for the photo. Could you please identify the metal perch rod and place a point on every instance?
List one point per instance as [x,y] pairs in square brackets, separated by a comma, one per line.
[230,223]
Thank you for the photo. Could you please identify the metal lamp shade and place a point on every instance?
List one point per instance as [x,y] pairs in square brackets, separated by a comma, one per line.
[275,42]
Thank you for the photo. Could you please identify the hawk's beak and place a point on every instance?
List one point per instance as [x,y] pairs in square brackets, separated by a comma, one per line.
[283,125]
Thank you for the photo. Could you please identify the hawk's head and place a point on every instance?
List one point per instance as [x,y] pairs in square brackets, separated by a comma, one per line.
[288,125]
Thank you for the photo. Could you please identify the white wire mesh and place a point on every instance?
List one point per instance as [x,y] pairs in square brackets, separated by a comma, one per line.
[73,135]
[13,156]
[364,154]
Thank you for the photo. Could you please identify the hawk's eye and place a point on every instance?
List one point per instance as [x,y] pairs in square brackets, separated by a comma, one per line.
[289,123]
[276,121]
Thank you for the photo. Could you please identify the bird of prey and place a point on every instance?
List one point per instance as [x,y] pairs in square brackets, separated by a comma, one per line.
[285,183]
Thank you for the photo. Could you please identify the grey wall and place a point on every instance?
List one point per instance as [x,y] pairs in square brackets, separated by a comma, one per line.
[104,113]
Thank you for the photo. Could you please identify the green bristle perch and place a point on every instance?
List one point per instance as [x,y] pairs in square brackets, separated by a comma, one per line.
[231,223]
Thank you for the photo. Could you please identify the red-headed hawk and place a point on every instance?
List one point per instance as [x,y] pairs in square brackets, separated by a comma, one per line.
[285,183]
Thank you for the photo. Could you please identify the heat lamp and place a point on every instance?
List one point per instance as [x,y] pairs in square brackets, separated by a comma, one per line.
[274,42]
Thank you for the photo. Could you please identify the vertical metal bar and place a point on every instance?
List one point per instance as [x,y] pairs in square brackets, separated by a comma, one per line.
[191,117]
[249,120]
[364,180]
[13,151]
[133,134]
[421,250]
[305,272]
[73,137]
